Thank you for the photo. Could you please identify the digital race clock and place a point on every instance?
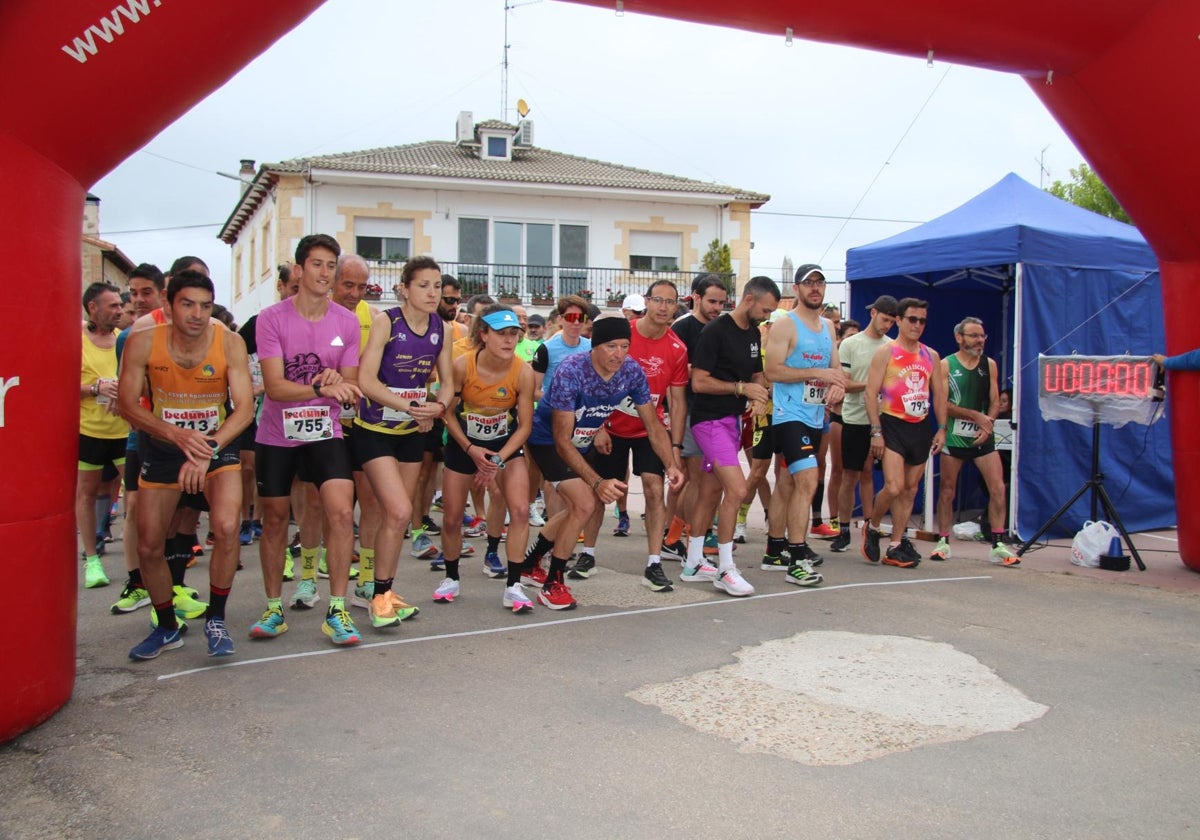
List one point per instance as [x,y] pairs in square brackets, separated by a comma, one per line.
[1108,389]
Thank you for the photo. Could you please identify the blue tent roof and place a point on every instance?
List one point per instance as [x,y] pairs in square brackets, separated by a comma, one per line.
[1012,221]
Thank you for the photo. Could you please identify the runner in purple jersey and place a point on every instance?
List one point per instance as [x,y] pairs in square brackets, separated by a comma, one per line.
[406,346]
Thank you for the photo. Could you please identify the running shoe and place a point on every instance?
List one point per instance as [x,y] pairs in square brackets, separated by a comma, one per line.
[289,566]
[731,582]
[674,551]
[655,578]
[739,533]
[383,612]
[710,545]
[870,546]
[585,567]
[403,610]
[210,539]
[220,643]
[622,529]
[809,555]
[516,599]
[437,501]
[473,527]
[534,577]
[468,550]
[423,547]
[492,567]
[132,598]
[941,551]
[269,626]
[160,639]
[256,527]
[556,596]
[909,550]
[1002,555]
[306,596]
[323,570]
[825,531]
[695,574]
[339,627]
[94,577]
[438,564]
[802,574]
[446,592]
[771,563]
[895,556]
[246,534]
[186,604]
[535,518]
[431,527]
[363,593]
[841,542]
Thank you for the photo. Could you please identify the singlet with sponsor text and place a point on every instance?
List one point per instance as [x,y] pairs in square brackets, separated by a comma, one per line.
[579,389]
[804,401]
[485,409]
[905,391]
[665,363]
[194,398]
[409,361]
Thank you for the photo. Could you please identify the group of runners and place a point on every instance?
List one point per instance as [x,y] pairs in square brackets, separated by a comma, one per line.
[328,403]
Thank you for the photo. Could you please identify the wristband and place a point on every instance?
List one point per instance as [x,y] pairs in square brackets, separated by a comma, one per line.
[95,389]
[596,484]
[677,446]
[317,388]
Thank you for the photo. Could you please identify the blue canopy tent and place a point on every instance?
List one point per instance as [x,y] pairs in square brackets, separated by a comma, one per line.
[1045,277]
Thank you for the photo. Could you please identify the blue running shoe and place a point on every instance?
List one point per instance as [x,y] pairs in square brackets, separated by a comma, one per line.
[339,627]
[256,527]
[269,626]
[246,534]
[158,641]
[492,567]
[438,564]
[622,529]
[220,643]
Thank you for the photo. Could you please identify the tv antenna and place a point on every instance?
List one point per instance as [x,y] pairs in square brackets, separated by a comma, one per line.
[1042,170]
[508,7]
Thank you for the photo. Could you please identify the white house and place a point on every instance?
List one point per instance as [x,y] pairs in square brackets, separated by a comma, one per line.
[498,212]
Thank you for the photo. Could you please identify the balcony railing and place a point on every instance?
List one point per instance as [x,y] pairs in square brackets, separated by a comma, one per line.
[540,285]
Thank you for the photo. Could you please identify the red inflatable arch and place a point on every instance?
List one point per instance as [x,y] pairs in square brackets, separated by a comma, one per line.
[89,81]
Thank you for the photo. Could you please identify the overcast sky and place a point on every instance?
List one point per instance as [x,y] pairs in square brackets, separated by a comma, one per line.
[827,131]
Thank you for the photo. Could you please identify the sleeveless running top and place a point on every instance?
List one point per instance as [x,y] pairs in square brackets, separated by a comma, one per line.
[94,419]
[971,389]
[192,398]
[804,402]
[485,410]
[409,360]
[905,391]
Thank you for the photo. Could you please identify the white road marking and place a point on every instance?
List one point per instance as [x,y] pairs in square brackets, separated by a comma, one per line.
[575,619]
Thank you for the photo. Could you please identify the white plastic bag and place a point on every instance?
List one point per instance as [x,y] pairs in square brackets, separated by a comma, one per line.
[1092,540]
[968,531]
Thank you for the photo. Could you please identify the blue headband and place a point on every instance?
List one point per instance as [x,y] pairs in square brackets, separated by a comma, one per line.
[502,319]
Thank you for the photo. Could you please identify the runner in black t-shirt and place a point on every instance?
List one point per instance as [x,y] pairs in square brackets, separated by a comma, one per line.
[726,373]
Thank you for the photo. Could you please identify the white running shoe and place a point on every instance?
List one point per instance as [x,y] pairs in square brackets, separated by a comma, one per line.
[535,518]
[739,533]
[516,599]
[447,591]
[306,595]
[731,582]
[694,574]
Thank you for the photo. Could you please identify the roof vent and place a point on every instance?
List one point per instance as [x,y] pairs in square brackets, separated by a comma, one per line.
[464,129]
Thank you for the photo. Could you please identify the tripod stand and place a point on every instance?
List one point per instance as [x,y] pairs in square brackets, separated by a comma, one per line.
[1099,495]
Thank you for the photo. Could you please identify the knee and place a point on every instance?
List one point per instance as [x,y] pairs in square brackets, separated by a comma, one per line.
[518,517]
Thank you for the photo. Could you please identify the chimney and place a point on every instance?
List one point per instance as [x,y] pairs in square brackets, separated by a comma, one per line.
[91,215]
[246,173]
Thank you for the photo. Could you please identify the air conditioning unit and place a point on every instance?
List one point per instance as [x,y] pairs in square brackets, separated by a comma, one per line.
[464,129]
[524,133]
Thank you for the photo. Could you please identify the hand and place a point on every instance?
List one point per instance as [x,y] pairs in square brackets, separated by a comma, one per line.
[107,388]
[341,391]
[755,392]
[191,477]
[602,442]
[610,489]
[327,377]
[834,376]
[877,447]
[193,445]
[1159,359]
[485,470]
[834,395]
[425,411]
[939,440]
[982,437]
[675,477]
[757,408]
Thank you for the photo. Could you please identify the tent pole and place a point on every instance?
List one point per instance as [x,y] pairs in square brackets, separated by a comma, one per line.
[1013,496]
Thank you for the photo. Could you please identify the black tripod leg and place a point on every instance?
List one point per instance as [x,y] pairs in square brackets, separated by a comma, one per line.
[1058,515]
[1115,517]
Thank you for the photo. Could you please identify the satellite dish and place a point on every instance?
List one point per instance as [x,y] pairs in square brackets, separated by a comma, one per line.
[522,108]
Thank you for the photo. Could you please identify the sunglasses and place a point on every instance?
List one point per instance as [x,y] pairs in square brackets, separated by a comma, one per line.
[575,318]
[452,301]
[915,319]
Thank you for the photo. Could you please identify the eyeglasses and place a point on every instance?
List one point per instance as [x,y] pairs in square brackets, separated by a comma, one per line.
[574,318]
[660,301]
[975,335]
[915,319]
[452,301]
[813,281]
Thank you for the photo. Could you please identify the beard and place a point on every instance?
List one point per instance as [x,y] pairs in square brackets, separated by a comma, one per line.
[973,351]
[815,307]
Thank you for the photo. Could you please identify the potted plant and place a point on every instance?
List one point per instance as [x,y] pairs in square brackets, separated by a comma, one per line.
[373,292]
[586,294]
[509,296]
[615,298]
[542,296]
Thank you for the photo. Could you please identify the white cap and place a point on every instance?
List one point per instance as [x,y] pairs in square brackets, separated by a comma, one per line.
[635,302]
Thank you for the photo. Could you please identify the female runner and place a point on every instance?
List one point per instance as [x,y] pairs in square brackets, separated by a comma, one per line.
[492,384]
[407,344]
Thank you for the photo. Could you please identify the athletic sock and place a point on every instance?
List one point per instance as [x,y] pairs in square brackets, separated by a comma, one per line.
[493,544]
[558,568]
[366,563]
[336,604]
[796,550]
[724,556]
[166,615]
[997,537]
[675,532]
[216,602]
[653,560]
[135,578]
[743,512]
[308,562]
[588,549]
[514,572]
[540,546]
[695,552]
[775,545]
[452,568]
[382,587]
[275,604]
[178,552]
[817,499]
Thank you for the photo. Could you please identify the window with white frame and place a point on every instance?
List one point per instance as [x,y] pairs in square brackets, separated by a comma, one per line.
[496,147]
[384,240]
[654,250]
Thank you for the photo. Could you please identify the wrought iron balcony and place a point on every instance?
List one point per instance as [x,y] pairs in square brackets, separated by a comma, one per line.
[540,285]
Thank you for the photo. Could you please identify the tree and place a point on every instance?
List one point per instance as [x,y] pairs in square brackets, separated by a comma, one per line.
[718,260]
[1087,190]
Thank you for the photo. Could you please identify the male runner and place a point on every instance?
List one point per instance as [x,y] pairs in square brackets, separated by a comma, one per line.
[973,403]
[195,370]
[901,386]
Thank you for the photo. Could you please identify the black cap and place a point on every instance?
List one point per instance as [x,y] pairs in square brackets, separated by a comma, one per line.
[886,304]
[808,268]
[536,321]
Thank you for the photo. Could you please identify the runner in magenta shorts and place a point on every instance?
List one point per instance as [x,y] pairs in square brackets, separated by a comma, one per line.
[718,440]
